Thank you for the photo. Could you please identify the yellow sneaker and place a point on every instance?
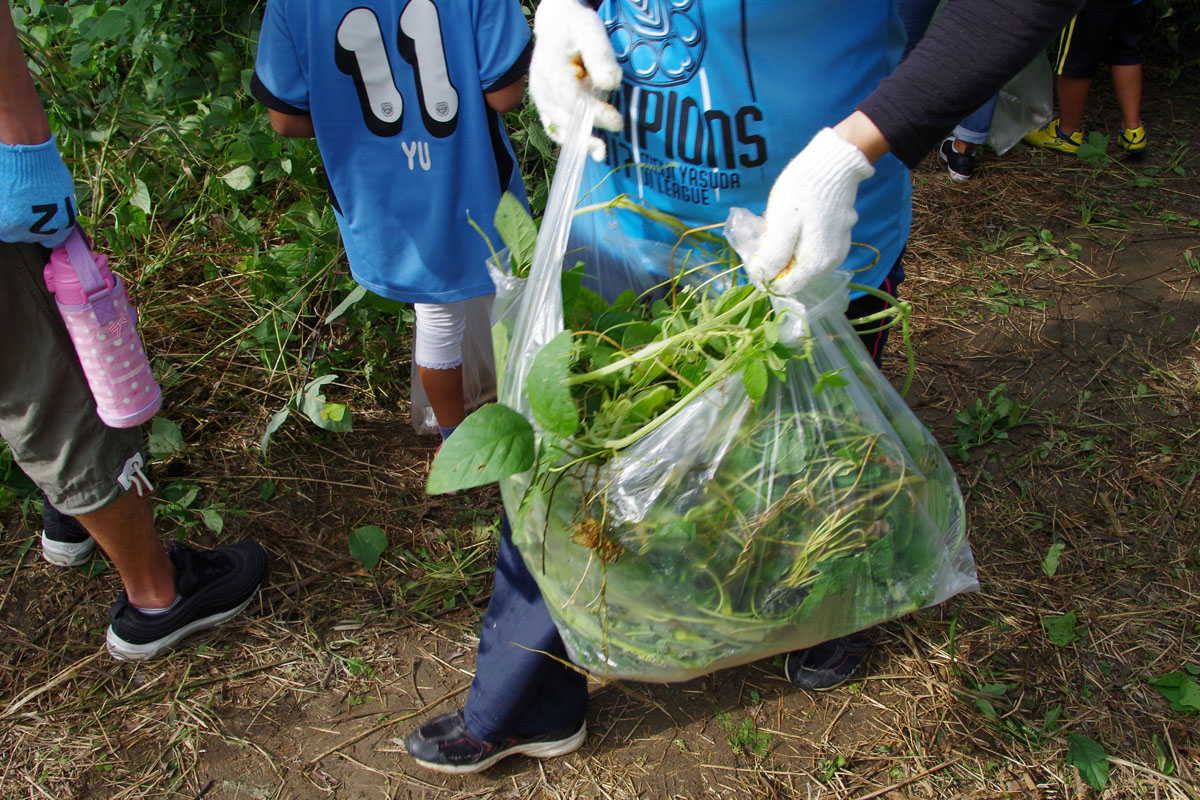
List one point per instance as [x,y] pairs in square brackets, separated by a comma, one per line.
[1052,137]
[1133,140]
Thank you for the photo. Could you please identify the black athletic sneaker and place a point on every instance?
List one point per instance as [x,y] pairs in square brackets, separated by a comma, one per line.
[214,586]
[827,664]
[65,542]
[961,166]
[445,744]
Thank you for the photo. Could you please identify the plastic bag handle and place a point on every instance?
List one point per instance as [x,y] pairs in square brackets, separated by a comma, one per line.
[539,317]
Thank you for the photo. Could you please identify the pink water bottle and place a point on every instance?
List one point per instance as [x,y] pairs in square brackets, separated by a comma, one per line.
[103,327]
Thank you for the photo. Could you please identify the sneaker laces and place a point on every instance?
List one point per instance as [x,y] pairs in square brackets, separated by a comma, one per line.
[196,568]
[1066,137]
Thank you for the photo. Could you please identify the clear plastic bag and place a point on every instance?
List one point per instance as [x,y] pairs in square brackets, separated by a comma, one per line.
[738,528]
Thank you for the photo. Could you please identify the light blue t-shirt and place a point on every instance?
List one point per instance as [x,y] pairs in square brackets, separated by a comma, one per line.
[396,89]
[719,95]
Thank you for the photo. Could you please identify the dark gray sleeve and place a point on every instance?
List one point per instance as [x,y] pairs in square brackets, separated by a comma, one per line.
[971,50]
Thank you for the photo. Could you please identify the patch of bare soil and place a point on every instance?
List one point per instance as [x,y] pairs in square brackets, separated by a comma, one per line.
[1062,288]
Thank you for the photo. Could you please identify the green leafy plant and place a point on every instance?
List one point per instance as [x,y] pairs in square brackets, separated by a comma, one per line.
[178,502]
[1175,29]
[828,767]
[367,545]
[984,705]
[1010,722]
[437,580]
[744,736]
[1002,300]
[1060,630]
[988,420]
[15,485]
[1051,559]
[1094,150]
[1193,263]
[1181,689]
[1162,755]
[357,667]
[312,403]
[1045,250]
[1089,757]
[165,438]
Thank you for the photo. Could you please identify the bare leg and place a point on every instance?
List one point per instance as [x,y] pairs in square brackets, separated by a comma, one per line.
[1127,83]
[124,529]
[1072,96]
[444,387]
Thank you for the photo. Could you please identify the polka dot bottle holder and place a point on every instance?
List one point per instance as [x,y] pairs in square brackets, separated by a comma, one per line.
[103,326]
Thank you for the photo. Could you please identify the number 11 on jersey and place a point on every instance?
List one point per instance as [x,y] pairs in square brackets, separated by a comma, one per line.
[363,55]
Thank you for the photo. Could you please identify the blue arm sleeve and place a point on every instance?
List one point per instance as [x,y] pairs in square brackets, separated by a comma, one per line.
[502,39]
[277,65]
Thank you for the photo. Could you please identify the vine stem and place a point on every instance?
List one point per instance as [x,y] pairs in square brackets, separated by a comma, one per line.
[728,366]
[716,325]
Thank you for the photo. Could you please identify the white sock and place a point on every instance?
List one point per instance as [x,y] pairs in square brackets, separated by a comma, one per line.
[154,612]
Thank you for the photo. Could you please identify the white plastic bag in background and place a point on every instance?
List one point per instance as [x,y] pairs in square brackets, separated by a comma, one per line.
[1026,102]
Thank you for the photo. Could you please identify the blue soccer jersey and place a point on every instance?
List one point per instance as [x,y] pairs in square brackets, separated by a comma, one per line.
[396,90]
[719,95]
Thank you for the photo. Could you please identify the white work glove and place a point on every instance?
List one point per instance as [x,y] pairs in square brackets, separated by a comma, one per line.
[572,57]
[806,227]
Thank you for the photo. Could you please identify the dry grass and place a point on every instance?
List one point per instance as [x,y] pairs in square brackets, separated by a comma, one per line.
[310,692]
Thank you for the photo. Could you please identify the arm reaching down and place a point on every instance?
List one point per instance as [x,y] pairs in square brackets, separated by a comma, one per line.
[810,210]
[37,200]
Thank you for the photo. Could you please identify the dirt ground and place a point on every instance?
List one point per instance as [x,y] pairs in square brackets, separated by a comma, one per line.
[1072,287]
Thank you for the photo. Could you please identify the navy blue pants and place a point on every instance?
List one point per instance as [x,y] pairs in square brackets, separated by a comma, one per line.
[869,334]
[518,688]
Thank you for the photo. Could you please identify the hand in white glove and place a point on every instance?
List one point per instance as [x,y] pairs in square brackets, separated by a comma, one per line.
[806,227]
[37,194]
[572,57]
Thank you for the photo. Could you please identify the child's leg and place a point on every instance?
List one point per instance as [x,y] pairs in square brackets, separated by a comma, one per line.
[1127,84]
[1072,97]
[1124,53]
[1080,48]
[444,388]
[974,129]
[438,355]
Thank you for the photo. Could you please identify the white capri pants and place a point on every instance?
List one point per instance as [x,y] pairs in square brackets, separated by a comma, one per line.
[439,334]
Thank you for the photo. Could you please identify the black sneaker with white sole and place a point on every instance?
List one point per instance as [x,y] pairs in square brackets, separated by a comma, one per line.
[214,586]
[961,166]
[65,542]
[446,744]
[827,664]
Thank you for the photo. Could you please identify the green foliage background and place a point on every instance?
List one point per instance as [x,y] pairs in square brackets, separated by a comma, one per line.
[1174,32]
